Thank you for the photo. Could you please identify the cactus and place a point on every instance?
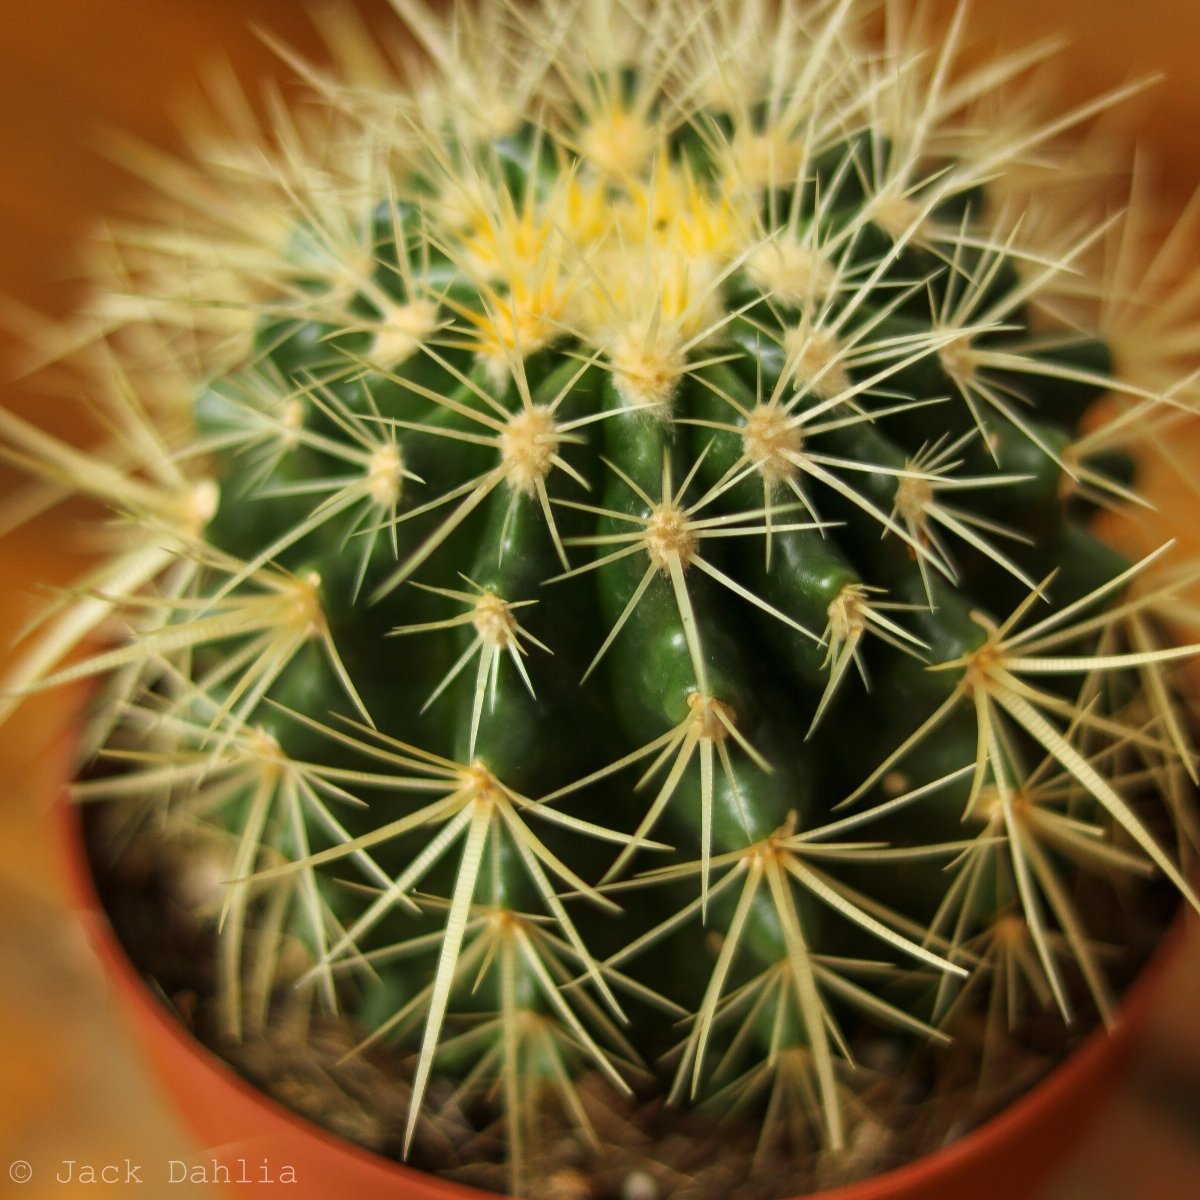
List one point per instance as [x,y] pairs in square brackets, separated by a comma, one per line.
[620,500]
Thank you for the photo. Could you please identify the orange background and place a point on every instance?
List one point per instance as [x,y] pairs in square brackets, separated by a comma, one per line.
[71,1083]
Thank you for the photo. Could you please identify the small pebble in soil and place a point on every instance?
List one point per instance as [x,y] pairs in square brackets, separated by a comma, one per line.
[639,1185]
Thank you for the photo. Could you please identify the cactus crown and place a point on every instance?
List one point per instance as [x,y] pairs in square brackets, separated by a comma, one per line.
[619,501]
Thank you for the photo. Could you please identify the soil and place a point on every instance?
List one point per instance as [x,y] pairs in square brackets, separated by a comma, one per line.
[917,1100]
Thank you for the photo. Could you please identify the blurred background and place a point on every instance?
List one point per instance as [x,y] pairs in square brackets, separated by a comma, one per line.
[72,1083]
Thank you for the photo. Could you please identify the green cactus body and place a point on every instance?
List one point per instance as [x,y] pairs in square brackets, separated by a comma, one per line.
[640,497]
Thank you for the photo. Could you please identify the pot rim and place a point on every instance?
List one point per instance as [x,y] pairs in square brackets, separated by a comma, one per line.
[1099,1049]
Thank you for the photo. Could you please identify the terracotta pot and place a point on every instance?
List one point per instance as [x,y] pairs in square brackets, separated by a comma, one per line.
[250,1140]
